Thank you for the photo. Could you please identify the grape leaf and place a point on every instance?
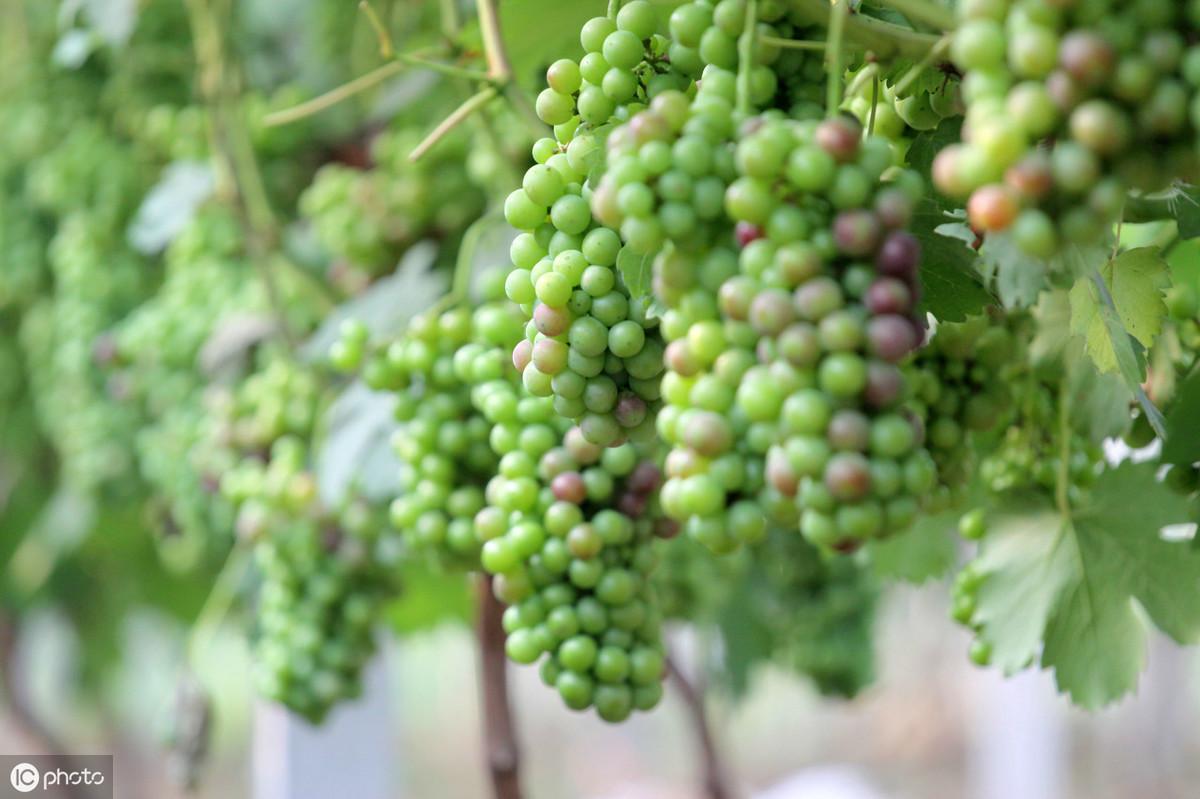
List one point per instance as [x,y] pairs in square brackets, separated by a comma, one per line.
[170,205]
[428,597]
[1099,403]
[537,32]
[356,450]
[387,305]
[1183,433]
[1135,280]
[636,272]
[1070,583]
[1053,315]
[1185,207]
[950,287]
[927,144]
[1018,278]
[925,552]
[1184,261]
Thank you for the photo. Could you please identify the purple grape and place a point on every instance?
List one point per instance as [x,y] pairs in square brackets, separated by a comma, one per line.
[899,255]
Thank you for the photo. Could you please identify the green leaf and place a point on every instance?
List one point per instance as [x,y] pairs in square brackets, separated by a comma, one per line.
[950,287]
[927,144]
[1053,316]
[925,552]
[1071,585]
[387,305]
[1135,281]
[428,597]
[1182,445]
[1185,208]
[1099,403]
[538,32]
[1018,278]
[636,271]
[1184,261]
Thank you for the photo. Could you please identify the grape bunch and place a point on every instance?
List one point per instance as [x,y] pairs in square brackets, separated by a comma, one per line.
[326,573]
[366,218]
[569,534]
[325,579]
[813,614]
[443,441]
[960,387]
[589,343]
[798,358]
[964,602]
[86,417]
[1031,454]
[1069,107]
[820,612]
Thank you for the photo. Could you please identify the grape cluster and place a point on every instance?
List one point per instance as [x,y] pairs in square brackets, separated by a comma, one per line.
[324,582]
[795,364]
[965,598]
[820,613]
[1069,107]
[960,387]
[366,218]
[325,573]
[85,416]
[813,614]
[443,441]
[1030,454]
[569,534]
[589,343]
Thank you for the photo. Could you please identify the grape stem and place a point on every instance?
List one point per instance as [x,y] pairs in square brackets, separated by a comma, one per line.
[234,158]
[793,44]
[746,58]
[1062,496]
[500,65]
[835,55]
[499,731]
[457,116]
[364,82]
[386,49]
[716,783]
[922,11]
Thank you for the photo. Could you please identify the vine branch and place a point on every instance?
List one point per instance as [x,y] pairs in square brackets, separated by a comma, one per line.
[884,39]
[922,11]
[456,118]
[233,152]
[835,55]
[746,58]
[716,784]
[499,731]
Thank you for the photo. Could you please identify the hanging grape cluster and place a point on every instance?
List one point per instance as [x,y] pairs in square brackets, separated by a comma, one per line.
[1070,106]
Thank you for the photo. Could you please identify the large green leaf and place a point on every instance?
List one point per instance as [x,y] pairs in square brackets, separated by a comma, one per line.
[925,552]
[538,32]
[1183,423]
[950,285]
[1069,585]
